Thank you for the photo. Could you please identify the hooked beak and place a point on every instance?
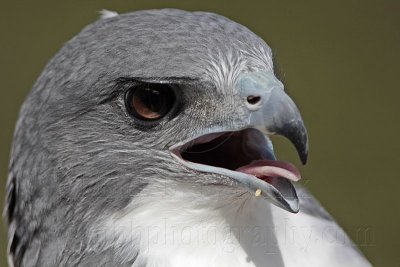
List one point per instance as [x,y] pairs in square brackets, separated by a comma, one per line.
[246,155]
[276,113]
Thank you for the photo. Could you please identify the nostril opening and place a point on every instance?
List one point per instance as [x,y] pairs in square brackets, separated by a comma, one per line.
[252,100]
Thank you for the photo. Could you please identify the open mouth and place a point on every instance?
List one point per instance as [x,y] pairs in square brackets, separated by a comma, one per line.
[246,156]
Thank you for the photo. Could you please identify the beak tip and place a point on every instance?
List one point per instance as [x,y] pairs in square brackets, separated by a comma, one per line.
[299,137]
[302,145]
[304,157]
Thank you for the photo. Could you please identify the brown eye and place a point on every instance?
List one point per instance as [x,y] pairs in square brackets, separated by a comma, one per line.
[150,102]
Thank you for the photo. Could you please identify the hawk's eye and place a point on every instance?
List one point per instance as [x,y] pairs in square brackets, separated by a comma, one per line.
[150,102]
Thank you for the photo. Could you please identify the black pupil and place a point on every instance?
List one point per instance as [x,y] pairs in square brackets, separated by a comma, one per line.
[153,99]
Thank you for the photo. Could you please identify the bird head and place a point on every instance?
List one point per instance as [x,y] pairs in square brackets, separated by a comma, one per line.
[152,95]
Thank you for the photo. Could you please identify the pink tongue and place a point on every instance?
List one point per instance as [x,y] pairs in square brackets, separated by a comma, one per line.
[271,168]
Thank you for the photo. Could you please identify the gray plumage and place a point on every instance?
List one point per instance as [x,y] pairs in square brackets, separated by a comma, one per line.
[78,158]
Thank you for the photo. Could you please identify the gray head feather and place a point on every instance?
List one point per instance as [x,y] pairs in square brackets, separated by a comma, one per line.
[77,156]
[105,14]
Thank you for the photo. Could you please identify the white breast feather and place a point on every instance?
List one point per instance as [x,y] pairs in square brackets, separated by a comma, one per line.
[216,227]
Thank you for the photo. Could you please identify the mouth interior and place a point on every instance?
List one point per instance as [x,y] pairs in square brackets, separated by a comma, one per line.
[247,151]
[230,150]
[246,156]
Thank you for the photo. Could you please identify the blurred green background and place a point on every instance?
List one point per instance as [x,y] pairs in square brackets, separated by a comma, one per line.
[339,59]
